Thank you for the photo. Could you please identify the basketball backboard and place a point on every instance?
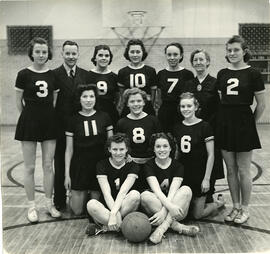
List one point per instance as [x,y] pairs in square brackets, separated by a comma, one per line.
[118,13]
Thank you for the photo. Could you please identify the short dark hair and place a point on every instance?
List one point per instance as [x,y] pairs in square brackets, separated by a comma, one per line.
[117,138]
[135,42]
[179,46]
[244,46]
[196,51]
[162,135]
[99,47]
[188,95]
[132,91]
[38,40]
[80,89]
[70,43]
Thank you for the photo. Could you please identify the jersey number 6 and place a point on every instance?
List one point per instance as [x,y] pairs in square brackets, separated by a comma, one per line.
[185,144]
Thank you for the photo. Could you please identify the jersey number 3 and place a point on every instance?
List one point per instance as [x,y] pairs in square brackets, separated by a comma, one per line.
[233,82]
[185,144]
[43,88]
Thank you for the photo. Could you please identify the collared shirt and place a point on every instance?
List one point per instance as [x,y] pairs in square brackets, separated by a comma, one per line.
[69,69]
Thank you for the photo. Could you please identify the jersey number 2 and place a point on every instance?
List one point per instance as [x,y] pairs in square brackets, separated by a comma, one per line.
[233,82]
[43,88]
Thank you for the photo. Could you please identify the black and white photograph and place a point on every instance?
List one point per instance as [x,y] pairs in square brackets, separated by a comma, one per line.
[134,126]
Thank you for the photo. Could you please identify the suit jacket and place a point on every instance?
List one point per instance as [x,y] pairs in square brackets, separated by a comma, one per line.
[65,104]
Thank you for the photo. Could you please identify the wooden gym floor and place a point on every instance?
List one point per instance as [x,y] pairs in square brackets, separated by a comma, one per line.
[67,235]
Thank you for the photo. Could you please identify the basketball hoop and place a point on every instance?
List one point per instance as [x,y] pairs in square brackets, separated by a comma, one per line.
[137,18]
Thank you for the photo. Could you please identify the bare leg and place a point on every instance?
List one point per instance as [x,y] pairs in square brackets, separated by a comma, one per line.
[29,156]
[78,201]
[130,203]
[48,150]
[150,202]
[244,162]
[232,177]
[202,209]
[98,211]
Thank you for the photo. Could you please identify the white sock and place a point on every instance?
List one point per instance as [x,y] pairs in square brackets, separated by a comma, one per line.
[237,206]
[48,202]
[245,208]
[31,204]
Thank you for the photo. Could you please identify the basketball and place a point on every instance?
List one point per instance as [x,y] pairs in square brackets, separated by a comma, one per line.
[136,227]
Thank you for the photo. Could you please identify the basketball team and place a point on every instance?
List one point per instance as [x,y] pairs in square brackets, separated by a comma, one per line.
[139,140]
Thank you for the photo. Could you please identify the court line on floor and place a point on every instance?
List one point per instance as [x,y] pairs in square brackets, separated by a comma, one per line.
[255,229]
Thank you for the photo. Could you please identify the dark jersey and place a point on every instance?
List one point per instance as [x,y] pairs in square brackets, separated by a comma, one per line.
[144,78]
[191,141]
[164,176]
[237,87]
[171,83]
[106,84]
[89,131]
[207,96]
[37,87]
[139,132]
[116,176]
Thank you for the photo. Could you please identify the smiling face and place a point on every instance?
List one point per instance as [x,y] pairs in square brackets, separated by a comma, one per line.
[118,151]
[135,54]
[135,103]
[88,100]
[70,55]
[188,108]
[162,148]
[40,54]
[199,62]
[235,53]
[103,58]
[173,55]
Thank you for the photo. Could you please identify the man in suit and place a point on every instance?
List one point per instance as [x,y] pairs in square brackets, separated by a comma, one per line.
[68,76]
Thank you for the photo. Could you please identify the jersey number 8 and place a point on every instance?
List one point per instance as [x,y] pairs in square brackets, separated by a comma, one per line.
[138,135]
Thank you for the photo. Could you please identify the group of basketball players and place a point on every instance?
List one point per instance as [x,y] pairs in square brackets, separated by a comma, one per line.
[165,165]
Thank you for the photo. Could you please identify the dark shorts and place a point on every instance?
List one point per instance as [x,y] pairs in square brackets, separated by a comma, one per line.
[37,124]
[83,170]
[236,129]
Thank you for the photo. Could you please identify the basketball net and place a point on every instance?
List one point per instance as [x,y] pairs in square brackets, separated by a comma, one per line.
[137,29]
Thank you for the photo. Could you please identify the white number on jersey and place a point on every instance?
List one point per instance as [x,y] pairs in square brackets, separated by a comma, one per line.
[86,128]
[185,144]
[117,183]
[138,135]
[233,82]
[102,87]
[137,80]
[174,82]
[43,88]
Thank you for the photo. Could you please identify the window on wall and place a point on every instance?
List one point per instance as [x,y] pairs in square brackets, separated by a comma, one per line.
[18,37]
[257,37]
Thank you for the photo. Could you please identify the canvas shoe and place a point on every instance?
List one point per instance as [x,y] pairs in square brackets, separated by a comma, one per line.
[32,215]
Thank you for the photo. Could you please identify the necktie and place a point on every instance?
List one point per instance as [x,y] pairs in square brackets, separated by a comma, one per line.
[71,73]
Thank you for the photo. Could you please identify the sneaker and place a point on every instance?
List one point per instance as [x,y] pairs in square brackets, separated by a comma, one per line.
[185,230]
[53,212]
[241,217]
[232,215]
[32,215]
[156,236]
[94,229]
